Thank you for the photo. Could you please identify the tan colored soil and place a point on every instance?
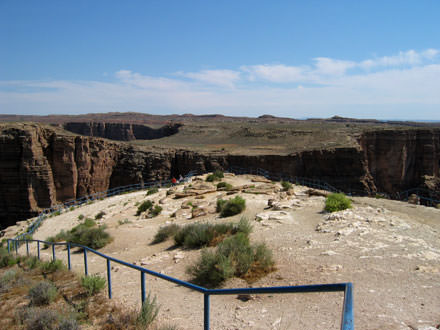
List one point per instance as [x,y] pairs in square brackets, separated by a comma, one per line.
[389,250]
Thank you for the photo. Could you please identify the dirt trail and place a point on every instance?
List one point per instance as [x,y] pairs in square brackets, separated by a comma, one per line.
[389,250]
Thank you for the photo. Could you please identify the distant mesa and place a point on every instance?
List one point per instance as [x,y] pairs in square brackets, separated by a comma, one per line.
[121,131]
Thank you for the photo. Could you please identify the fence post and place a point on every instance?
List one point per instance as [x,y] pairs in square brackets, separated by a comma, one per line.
[109,279]
[27,248]
[38,250]
[142,287]
[69,266]
[53,252]
[206,311]
[85,262]
[9,245]
[16,247]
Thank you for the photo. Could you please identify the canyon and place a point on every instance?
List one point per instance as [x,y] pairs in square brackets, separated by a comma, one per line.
[43,164]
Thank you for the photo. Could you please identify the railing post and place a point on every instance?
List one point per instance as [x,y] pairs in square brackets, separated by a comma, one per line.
[109,279]
[16,247]
[9,245]
[206,311]
[86,272]
[69,266]
[53,252]
[27,248]
[38,250]
[142,287]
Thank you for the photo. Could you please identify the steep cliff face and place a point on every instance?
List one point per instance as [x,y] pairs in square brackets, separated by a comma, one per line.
[121,131]
[402,159]
[40,167]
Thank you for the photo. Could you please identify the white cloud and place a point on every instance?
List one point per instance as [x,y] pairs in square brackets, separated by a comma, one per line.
[404,86]
[225,78]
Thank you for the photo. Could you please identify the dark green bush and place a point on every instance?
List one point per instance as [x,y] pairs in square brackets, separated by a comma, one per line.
[146,205]
[90,222]
[233,206]
[165,232]
[220,204]
[93,284]
[43,293]
[155,211]
[216,176]
[99,215]
[224,185]
[152,191]
[286,185]
[81,216]
[337,202]
[94,238]
[7,259]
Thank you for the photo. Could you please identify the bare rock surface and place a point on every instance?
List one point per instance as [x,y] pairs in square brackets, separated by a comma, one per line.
[389,250]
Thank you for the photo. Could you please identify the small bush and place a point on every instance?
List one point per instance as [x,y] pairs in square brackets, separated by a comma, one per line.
[8,277]
[216,176]
[146,205]
[90,222]
[94,238]
[81,216]
[35,318]
[71,208]
[68,324]
[32,262]
[164,233]
[152,191]
[233,206]
[233,257]
[52,266]
[148,312]
[7,259]
[155,211]
[123,222]
[93,284]
[99,215]
[337,202]
[56,213]
[224,185]
[43,293]
[286,185]
[220,204]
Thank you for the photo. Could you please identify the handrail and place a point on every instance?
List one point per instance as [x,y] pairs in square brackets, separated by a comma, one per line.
[347,309]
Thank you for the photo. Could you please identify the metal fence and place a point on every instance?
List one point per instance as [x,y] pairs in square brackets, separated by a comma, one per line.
[347,322]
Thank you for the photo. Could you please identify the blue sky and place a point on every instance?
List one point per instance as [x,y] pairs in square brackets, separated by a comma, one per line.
[375,59]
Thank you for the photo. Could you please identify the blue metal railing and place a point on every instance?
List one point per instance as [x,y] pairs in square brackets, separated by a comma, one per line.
[347,322]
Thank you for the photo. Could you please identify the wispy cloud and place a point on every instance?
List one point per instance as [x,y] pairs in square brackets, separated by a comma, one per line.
[404,85]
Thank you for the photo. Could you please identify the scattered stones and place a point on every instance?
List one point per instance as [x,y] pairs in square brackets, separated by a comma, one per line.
[198,212]
[278,216]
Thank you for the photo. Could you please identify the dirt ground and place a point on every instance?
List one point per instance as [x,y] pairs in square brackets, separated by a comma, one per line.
[389,250]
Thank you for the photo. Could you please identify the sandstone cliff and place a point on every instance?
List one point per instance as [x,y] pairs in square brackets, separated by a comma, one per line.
[41,166]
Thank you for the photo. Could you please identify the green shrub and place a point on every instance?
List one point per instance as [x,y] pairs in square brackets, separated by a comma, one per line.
[68,324]
[165,232]
[286,185]
[152,191]
[32,262]
[8,277]
[95,237]
[216,176]
[7,259]
[56,213]
[35,318]
[235,256]
[81,216]
[71,208]
[206,234]
[89,222]
[93,284]
[155,211]
[146,205]
[224,185]
[148,312]
[99,215]
[52,266]
[233,206]
[337,202]
[43,293]
[123,222]
[220,204]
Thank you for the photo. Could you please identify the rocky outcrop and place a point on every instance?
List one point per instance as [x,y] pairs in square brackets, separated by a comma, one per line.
[121,131]
[40,166]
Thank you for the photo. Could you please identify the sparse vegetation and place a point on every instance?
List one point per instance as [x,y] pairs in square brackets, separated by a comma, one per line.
[224,186]
[337,202]
[43,293]
[81,216]
[233,257]
[93,284]
[152,191]
[286,185]
[155,211]
[99,215]
[144,206]
[6,259]
[231,207]
[216,176]
[148,312]
[201,234]
[123,222]
[52,266]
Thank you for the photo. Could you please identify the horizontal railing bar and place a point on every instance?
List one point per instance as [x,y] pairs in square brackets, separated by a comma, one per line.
[282,289]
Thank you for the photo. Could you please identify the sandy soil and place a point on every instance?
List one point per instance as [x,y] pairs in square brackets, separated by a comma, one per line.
[389,250]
